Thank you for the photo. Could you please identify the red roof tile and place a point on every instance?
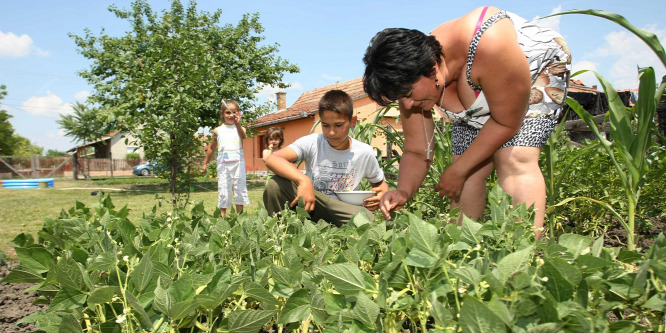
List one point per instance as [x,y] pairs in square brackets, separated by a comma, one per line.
[578,86]
[309,101]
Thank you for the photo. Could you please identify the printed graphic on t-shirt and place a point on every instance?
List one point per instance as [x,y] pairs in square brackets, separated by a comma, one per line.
[334,177]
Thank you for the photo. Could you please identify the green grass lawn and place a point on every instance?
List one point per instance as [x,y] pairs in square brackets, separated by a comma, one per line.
[24,210]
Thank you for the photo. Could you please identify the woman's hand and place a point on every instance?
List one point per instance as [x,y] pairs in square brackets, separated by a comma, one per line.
[392,201]
[451,182]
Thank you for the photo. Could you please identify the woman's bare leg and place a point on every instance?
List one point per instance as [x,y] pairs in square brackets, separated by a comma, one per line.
[519,175]
[472,200]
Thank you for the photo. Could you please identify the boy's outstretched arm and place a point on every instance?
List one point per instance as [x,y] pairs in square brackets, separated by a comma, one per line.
[380,189]
[282,164]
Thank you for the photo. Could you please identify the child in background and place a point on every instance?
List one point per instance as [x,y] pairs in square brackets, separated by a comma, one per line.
[333,160]
[228,142]
[273,142]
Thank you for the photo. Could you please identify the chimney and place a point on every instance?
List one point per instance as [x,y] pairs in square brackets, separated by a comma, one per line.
[281,100]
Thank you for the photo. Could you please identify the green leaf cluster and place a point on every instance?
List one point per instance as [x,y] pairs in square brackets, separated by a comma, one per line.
[164,79]
[189,270]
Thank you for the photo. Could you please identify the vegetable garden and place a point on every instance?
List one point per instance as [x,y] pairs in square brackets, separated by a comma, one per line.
[190,271]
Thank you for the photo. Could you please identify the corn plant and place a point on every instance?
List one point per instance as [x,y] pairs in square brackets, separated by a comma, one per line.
[629,149]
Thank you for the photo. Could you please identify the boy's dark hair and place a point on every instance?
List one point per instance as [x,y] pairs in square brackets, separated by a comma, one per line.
[274,132]
[337,101]
[395,59]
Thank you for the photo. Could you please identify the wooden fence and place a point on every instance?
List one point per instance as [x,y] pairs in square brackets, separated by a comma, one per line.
[45,167]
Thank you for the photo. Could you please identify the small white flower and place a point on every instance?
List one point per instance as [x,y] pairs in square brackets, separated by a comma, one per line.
[544,279]
[177,251]
[126,258]
[169,246]
[120,319]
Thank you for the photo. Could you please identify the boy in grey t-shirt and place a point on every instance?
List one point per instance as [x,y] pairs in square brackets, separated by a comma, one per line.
[334,162]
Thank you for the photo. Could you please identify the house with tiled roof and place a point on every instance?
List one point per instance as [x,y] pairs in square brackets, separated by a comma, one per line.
[299,119]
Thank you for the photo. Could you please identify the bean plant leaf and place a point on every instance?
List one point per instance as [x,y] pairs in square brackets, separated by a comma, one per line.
[37,259]
[470,229]
[249,321]
[103,295]
[67,300]
[514,262]
[139,311]
[180,310]
[574,243]
[163,299]
[347,278]
[103,262]
[656,303]
[21,274]
[256,291]
[296,309]
[365,310]
[47,322]
[423,235]
[68,275]
[468,275]
[69,324]
[439,312]
[477,317]
[318,308]
[281,275]
[418,258]
[142,274]
[562,277]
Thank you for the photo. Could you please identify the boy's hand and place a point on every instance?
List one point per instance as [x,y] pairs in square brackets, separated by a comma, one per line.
[372,203]
[392,201]
[305,191]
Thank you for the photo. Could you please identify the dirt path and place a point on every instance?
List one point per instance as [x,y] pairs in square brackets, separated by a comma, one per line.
[15,304]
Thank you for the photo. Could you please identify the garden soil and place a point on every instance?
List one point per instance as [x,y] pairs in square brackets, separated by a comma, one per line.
[16,303]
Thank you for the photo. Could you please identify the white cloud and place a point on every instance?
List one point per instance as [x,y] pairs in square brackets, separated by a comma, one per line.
[12,45]
[627,52]
[331,78]
[551,22]
[268,92]
[48,106]
[588,78]
[81,95]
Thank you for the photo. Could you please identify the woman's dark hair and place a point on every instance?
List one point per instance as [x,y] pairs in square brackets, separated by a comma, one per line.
[395,59]
[274,132]
[337,101]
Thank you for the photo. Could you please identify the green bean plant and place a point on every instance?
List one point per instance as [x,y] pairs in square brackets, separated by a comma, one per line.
[190,271]
[628,150]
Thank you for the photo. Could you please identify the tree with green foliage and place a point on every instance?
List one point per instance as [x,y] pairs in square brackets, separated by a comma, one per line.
[84,125]
[55,153]
[12,144]
[165,78]
[24,147]
[7,142]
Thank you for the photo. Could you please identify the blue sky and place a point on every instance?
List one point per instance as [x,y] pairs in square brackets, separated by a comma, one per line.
[327,39]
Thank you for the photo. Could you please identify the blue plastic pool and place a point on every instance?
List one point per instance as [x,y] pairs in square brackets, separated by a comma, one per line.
[26,183]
